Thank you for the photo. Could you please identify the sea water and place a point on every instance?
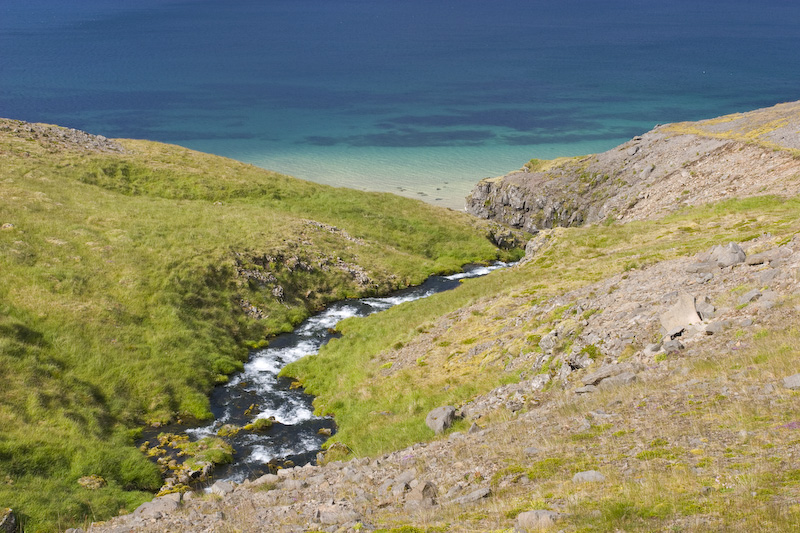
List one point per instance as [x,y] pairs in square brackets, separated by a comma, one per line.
[419,97]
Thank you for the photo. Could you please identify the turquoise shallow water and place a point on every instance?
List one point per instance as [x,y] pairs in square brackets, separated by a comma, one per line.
[411,96]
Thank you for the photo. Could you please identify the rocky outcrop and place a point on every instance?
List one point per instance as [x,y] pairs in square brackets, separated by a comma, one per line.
[58,137]
[661,171]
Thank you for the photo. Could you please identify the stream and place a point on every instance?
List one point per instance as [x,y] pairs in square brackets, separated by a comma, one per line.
[257,392]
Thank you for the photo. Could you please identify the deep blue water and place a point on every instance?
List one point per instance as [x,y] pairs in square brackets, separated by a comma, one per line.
[427,96]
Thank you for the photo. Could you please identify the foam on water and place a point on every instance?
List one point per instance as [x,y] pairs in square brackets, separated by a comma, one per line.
[288,414]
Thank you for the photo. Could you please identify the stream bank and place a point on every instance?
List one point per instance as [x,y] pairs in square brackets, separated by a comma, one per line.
[265,421]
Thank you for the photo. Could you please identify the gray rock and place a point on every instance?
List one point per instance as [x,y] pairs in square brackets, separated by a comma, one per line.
[682,314]
[266,478]
[536,520]
[424,492]
[531,450]
[294,484]
[589,476]
[749,296]
[441,418]
[549,341]
[675,332]
[156,508]
[222,488]
[768,276]
[792,382]
[474,496]
[538,382]
[694,330]
[605,372]
[586,389]
[704,278]
[771,296]
[768,256]
[727,255]
[673,346]
[652,349]
[400,488]
[8,521]
[342,516]
[536,244]
[746,322]
[407,476]
[705,309]
[455,489]
[703,267]
[626,378]
[717,327]
[285,472]
[175,496]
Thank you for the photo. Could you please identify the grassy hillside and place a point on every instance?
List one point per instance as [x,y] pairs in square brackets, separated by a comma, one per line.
[681,451]
[133,276]
[461,343]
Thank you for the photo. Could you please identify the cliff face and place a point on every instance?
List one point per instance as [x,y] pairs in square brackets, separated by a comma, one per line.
[663,170]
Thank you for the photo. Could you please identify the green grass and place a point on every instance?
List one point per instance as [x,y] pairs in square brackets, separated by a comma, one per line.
[121,278]
[344,376]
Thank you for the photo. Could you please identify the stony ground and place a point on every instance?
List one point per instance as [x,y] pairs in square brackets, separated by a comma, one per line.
[667,168]
[668,428]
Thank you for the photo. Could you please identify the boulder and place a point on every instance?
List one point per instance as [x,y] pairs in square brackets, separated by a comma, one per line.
[672,346]
[702,267]
[652,349]
[604,373]
[337,516]
[549,341]
[682,314]
[156,508]
[538,382]
[792,382]
[727,255]
[222,488]
[474,496]
[536,520]
[589,476]
[705,309]
[768,256]
[423,495]
[717,327]
[626,378]
[267,478]
[749,296]
[768,276]
[441,418]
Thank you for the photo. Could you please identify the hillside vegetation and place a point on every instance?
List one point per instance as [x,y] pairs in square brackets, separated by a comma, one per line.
[133,277]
